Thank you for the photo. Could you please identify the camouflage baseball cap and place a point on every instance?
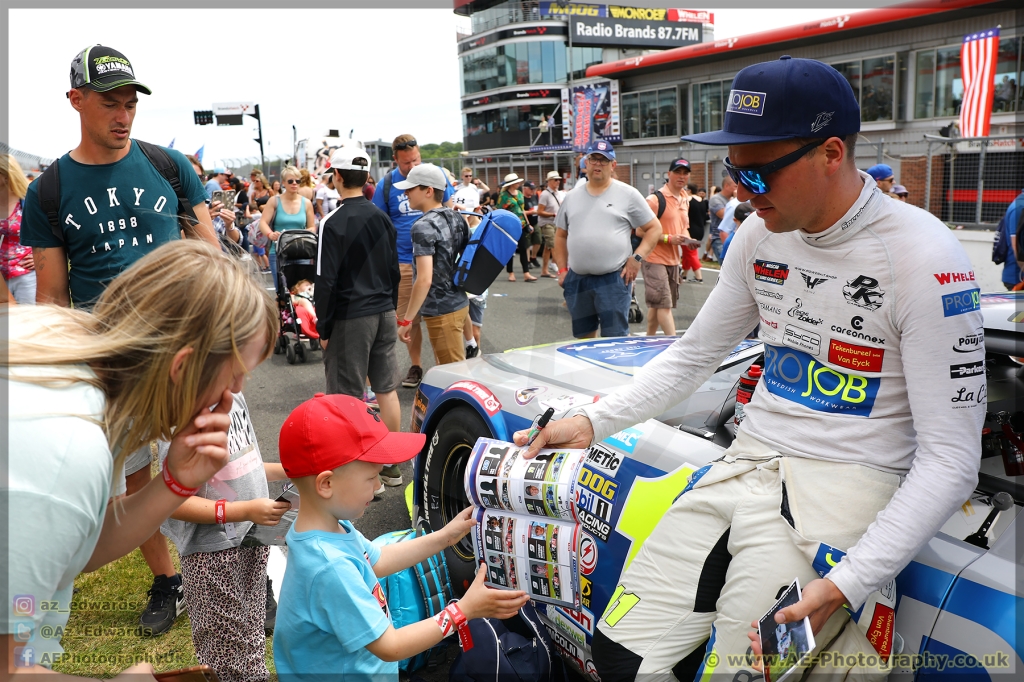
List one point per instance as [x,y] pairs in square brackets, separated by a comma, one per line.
[103,68]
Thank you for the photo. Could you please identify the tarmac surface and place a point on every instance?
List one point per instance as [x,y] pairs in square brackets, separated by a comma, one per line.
[518,314]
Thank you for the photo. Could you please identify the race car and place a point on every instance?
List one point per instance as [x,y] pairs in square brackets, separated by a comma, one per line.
[955,603]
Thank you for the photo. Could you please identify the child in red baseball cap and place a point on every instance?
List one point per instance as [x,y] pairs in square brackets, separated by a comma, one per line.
[333,617]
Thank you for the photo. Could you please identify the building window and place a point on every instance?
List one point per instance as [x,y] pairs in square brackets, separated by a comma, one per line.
[524,63]
[649,114]
[1008,69]
[508,119]
[872,81]
[707,106]
[940,87]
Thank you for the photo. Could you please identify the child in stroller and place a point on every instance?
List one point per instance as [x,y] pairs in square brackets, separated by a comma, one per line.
[296,262]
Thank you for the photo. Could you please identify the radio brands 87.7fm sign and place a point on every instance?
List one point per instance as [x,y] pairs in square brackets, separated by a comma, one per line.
[643,27]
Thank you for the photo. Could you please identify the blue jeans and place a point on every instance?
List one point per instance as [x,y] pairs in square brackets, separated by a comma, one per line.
[716,246]
[598,300]
[273,266]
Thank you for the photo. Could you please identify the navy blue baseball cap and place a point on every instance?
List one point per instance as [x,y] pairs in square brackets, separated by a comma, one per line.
[601,147]
[785,99]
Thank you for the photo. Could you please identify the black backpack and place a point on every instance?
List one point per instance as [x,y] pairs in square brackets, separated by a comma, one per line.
[518,649]
[49,189]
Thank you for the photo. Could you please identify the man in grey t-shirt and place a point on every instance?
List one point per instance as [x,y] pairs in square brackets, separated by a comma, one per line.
[716,207]
[596,262]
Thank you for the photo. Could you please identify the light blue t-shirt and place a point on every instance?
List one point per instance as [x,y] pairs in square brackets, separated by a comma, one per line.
[402,216]
[58,482]
[728,225]
[211,187]
[1011,271]
[331,607]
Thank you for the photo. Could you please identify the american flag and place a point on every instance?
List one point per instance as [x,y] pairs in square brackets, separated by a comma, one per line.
[978,68]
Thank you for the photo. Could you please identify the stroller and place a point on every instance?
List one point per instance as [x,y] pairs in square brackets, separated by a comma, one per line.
[296,261]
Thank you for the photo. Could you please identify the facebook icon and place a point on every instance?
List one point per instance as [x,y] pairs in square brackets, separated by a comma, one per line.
[24,656]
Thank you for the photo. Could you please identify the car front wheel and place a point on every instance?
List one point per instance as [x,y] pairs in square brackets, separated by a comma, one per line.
[444,489]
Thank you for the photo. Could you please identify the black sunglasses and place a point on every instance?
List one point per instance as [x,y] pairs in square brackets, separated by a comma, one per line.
[292,182]
[755,180]
[406,145]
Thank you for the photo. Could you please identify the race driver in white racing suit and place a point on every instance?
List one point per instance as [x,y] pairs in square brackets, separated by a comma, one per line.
[862,437]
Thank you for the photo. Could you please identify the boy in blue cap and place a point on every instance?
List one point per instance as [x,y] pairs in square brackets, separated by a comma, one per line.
[883,175]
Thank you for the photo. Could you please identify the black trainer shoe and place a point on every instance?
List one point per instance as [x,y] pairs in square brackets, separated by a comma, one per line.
[414,377]
[534,263]
[166,602]
[271,619]
[472,351]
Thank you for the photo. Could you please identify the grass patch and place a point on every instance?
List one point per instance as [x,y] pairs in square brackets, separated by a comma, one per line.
[102,637]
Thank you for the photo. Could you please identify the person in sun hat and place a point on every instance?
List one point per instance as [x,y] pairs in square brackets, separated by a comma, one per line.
[333,620]
[876,447]
[511,199]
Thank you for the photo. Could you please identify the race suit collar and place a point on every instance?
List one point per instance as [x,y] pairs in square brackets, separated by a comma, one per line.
[858,217]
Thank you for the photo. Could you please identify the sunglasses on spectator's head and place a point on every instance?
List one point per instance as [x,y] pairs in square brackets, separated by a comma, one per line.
[755,180]
[406,145]
[292,181]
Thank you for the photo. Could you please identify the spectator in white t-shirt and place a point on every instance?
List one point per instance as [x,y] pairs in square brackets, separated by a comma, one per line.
[327,196]
[467,196]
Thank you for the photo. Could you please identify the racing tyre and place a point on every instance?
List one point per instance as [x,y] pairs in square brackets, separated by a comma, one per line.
[290,353]
[300,351]
[444,494]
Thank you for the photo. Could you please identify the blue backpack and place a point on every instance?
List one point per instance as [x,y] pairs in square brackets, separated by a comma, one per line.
[518,648]
[492,244]
[417,593]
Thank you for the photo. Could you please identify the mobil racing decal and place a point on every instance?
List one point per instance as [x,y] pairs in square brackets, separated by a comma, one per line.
[625,440]
[491,404]
[961,302]
[595,498]
[852,356]
[771,272]
[796,376]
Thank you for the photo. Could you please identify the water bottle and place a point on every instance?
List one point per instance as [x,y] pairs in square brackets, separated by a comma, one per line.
[745,391]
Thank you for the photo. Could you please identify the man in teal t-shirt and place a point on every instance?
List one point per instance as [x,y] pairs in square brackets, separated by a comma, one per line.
[115,207]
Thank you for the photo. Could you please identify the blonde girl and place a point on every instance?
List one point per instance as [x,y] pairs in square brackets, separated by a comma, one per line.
[161,346]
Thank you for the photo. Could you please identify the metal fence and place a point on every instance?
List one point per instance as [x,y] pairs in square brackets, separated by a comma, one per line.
[967,182]
[30,163]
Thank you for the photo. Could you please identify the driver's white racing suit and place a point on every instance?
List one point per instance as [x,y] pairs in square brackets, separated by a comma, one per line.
[863,437]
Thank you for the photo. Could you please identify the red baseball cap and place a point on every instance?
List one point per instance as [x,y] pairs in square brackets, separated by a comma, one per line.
[331,430]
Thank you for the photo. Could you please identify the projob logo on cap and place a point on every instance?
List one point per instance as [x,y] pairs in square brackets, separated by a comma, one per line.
[746,102]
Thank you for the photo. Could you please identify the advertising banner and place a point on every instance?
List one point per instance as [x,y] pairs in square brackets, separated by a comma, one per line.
[602,32]
[595,109]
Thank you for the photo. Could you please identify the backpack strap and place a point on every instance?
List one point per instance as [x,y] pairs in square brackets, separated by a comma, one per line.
[661,203]
[49,198]
[165,165]
[386,188]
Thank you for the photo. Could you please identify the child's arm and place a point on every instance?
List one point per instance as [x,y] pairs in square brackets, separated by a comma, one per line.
[263,511]
[402,555]
[274,471]
[479,602]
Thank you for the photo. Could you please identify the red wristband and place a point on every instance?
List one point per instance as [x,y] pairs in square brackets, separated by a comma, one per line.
[220,515]
[177,488]
[404,323]
[465,636]
[563,270]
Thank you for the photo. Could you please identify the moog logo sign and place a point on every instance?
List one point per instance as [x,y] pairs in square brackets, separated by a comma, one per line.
[796,376]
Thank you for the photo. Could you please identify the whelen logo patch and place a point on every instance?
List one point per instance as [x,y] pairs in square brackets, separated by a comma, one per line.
[771,272]
[746,102]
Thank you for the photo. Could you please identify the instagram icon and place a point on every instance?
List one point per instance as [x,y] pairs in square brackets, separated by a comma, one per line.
[24,605]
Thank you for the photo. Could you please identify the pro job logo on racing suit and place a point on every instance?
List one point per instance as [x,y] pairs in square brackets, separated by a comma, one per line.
[796,376]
